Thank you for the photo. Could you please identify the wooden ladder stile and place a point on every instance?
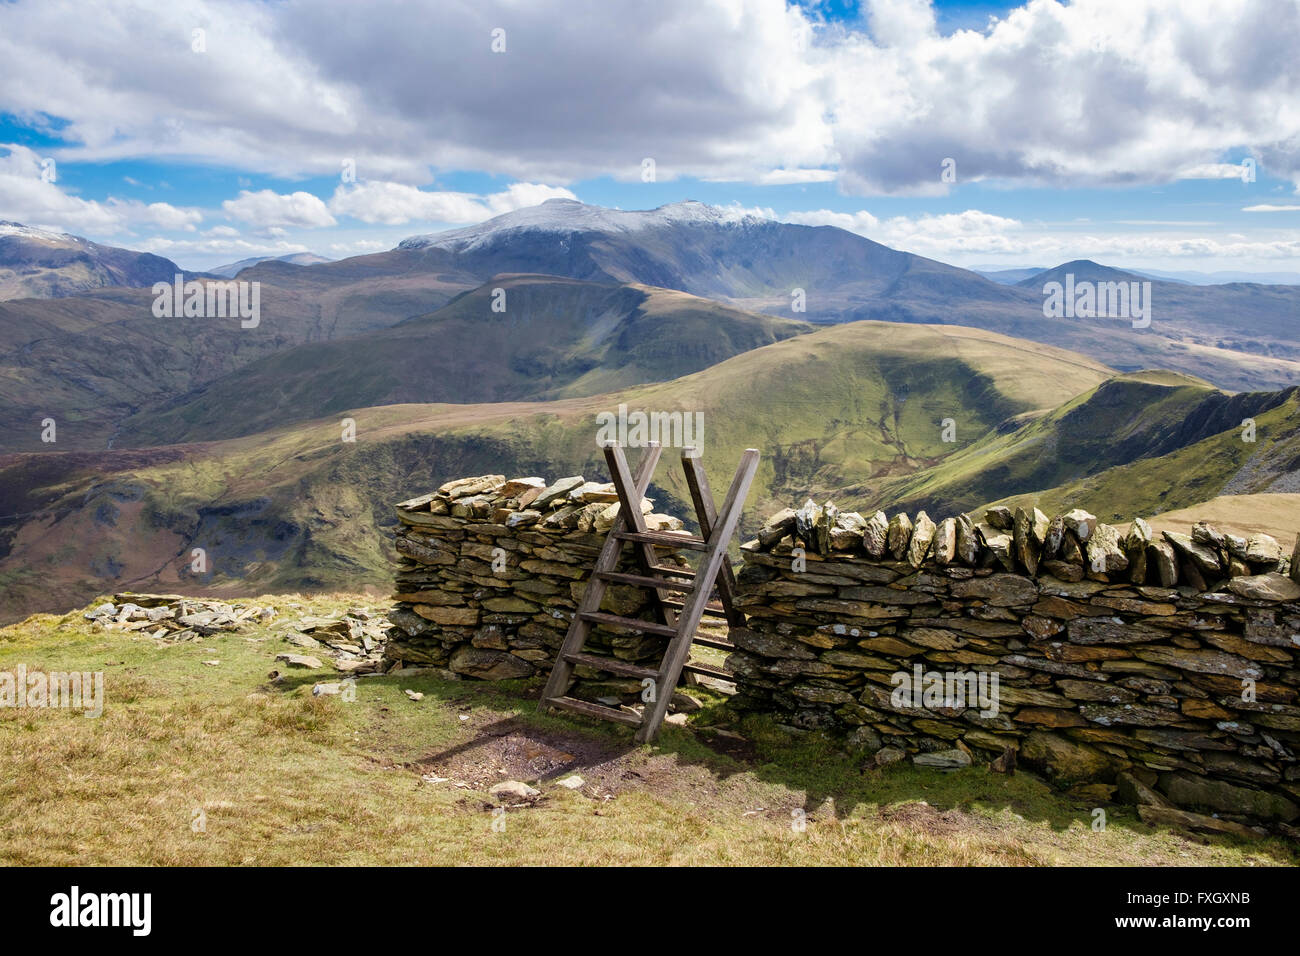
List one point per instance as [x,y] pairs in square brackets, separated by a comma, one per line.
[677,619]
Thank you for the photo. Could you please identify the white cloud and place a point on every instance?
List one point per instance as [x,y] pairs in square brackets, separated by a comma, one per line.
[900,22]
[166,216]
[1212,171]
[215,250]
[784,177]
[359,247]
[395,204]
[863,223]
[519,195]
[1096,92]
[974,235]
[269,210]
[29,197]
[1109,92]
[1267,207]
[706,88]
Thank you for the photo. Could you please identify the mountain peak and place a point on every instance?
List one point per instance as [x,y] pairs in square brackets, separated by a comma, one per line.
[18,230]
[562,215]
[1083,270]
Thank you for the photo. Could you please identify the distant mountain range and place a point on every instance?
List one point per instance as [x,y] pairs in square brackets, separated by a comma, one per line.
[853,412]
[557,338]
[232,269]
[114,374]
[1011,276]
[492,348]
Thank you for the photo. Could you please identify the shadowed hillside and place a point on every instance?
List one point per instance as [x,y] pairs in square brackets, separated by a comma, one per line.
[296,507]
[555,338]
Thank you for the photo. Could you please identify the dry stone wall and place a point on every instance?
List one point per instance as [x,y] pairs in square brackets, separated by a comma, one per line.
[1156,669]
[490,572]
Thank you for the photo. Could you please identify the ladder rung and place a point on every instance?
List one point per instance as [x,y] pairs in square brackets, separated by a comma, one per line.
[599,711]
[669,569]
[613,665]
[708,671]
[713,642]
[713,610]
[645,581]
[663,539]
[647,627]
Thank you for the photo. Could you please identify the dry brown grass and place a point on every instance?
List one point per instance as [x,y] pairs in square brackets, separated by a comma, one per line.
[280,777]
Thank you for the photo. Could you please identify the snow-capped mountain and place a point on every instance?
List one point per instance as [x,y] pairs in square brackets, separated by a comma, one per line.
[17,229]
[38,263]
[570,215]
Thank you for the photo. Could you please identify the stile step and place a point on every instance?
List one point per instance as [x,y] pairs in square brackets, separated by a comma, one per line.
[712,610]
[599,711]
[713,642]
[646,627]
[708,671]
[663,539]
[645,581]
[613,665]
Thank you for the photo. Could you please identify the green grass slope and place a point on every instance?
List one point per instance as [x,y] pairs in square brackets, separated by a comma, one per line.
[551,338]
[90,361]
[1124,420]
[296,507]
[194,730]
[1221,464]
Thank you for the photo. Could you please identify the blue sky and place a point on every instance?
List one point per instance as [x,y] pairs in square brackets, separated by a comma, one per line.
[1099,129]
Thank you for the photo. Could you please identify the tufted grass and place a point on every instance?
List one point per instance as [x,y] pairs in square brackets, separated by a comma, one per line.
[279,777]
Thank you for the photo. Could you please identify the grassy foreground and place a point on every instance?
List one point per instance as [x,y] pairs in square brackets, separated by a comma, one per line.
[196,763]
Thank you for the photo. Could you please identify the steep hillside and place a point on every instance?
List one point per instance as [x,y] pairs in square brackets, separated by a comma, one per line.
[553,338]
[1124,420]
[1221,464]
[299,508]
[90,361]
[36,263]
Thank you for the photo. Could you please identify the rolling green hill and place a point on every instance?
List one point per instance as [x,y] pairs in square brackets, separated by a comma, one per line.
[1126,420]
[295,507]
[554,338]
[857,413]
[1213,467]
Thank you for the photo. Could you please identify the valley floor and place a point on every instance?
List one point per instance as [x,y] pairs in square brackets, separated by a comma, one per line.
[200,759]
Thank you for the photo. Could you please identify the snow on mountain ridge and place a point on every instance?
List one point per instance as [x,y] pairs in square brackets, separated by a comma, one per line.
[570,215]
[10,228]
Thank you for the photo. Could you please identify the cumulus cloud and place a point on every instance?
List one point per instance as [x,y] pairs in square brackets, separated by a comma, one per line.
[1214,171]
[212,250]
[296,87]
[395,204]
[1108,92]
[30,193]
[1094,92]
[900,22]
[269,210]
